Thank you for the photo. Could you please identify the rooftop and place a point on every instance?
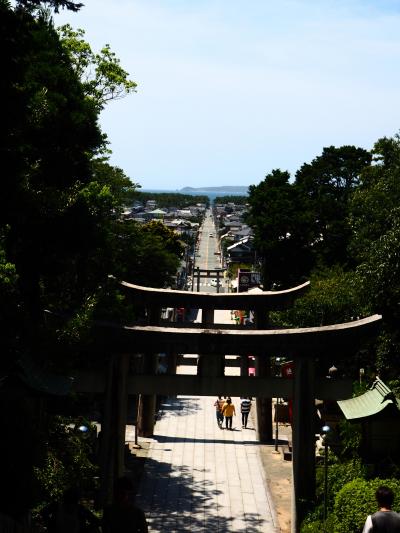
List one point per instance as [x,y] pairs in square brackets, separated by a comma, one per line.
[372,402]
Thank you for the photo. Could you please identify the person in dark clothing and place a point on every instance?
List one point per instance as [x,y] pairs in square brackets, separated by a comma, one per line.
[245,406]
[122,516]
[218,404]
[385,520]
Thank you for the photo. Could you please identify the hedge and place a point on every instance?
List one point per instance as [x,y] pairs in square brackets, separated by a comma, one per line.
[356,500]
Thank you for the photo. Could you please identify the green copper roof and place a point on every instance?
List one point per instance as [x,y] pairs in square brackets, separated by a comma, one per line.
[41,380]
[372,402]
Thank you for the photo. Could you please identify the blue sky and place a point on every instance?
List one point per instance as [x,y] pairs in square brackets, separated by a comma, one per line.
[229,90]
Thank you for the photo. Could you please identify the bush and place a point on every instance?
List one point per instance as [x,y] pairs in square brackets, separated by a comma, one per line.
[338,475]
[69,460]
[356,500]
[312,527]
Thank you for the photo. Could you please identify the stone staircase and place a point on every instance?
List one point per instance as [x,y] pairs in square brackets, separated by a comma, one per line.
[287,451]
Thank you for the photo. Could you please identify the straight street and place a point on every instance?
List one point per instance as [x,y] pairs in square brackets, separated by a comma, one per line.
[207,255]
[200,478]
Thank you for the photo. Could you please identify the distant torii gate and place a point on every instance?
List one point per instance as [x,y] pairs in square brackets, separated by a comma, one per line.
[207,273]
[212,342]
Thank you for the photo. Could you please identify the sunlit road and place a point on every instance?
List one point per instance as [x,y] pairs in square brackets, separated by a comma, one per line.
[206,256]
[199,477]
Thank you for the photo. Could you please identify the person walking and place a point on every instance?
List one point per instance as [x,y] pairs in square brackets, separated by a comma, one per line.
[228,411]
[245,407]
[219,403]
[385,520]
[122,516]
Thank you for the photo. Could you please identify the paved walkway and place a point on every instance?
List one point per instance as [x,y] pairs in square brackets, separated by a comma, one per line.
[198,477]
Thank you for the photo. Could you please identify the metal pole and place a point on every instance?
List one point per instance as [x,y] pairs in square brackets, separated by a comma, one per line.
[193,267]
[138,415]
[137,418]
[325,480]
[277,360]
[325,430]
[198,279]
[276,424]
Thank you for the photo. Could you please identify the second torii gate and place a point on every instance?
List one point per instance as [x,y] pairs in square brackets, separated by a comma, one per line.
[211,341]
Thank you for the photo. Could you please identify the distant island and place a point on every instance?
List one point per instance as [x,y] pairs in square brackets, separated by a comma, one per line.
[239,189]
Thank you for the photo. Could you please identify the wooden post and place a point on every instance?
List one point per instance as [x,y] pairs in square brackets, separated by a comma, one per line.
[172,359]
[107,441]
[303,436]
[207,317]
[264,405]
[121,412]
[244,365]
[146,419]
[112,452]
[263,369]
[210,365]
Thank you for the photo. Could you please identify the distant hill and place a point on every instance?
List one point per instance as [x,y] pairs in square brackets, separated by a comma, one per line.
[240,189]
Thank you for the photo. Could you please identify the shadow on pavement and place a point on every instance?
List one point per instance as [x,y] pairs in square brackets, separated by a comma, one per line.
[174,500]
[169,438]
[180,407]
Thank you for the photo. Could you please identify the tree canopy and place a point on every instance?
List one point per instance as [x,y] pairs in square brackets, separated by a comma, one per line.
[280,225]
[101,75]
[326,185]
[231,198]
[60,233]
[55,4]
[167,199]
[337,223]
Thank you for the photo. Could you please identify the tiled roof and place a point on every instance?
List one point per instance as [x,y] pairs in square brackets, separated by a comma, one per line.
[42,380]
[372,402]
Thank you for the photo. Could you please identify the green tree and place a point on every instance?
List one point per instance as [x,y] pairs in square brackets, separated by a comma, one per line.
[102,77]
[333,298]
[56,4]
[374,204]
[375,221]
[122,188]
[69,458]
[178,200]
[48,133]
[172,242]
[279,221]
[60,231]
[327,184]
[231,198]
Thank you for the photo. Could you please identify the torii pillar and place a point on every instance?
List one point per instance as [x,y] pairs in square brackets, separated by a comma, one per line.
[303,436]
[147,411]
[263,369]
[113,427]
[209,365]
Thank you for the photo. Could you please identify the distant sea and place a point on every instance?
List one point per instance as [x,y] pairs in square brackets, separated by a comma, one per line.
[211,194]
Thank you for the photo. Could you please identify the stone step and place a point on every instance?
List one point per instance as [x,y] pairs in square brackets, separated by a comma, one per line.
[287,453]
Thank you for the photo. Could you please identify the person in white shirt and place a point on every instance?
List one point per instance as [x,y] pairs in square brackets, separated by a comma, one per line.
[245,406]
[385,520]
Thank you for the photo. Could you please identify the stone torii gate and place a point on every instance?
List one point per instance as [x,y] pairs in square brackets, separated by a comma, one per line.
[212,342]
[207,273]
[261,303]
